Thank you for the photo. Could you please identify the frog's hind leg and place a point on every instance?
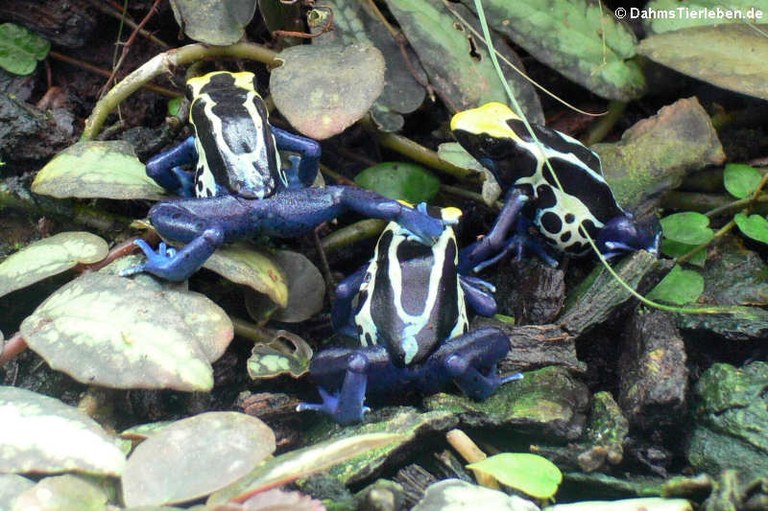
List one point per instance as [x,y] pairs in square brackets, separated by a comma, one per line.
[471,361]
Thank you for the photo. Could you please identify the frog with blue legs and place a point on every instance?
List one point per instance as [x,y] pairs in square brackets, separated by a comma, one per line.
[497,137]
[239,187]
[410,318]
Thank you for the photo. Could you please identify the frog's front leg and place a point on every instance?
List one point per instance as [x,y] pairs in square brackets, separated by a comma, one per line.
[342,314]
[305,166]
[347,406]
[165,168]
[470,361]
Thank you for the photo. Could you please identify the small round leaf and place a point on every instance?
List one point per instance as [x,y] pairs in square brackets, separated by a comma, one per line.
[306,287]
[400,181]
[48,257]
[753,226]
[321,103]
[20,49]
[194,457]
[531,474]
[741,180]
[689,227]
[215,22]
[679,287]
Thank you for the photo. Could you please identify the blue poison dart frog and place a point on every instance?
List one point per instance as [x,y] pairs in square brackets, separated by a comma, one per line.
[410,317]
[240,188]
[499,140]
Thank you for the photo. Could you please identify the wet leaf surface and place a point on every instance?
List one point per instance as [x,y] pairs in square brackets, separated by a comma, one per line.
[727,56]
[64,493]
[48,257]
[27,444]
[256,269]
[306,287]
[112,331]
[303,462]
[216,22]
[319,103]
[562,35]
[11,485]
[106,170]
[456,495]
[456,62]
[204,453]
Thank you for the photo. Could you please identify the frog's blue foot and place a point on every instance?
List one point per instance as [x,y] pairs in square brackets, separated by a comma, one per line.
[471,361]
[170,264]
[479,295]
[347,406]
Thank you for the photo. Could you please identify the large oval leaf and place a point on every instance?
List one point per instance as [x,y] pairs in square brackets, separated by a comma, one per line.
[728,56]
[112,331]
[679,287]
[42,434]
[753,226]
[216,22]
[48,257]
[194,457]
[741,180]
[456,60]
[687,227]
[93,170]
[321,103]
[306,287]
[580,39]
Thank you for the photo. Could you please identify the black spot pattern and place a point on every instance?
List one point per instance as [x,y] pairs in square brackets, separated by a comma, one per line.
[570,218]
[565,237]
[551,222]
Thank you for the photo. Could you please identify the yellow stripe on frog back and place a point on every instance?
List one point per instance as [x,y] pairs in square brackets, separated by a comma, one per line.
[490,118]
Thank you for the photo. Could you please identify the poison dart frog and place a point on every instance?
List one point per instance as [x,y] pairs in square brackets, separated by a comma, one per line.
[240,187]
[410,318]
[499,140]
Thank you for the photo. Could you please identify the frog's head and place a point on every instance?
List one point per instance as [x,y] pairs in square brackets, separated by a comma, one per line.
[625,234]
[488,132]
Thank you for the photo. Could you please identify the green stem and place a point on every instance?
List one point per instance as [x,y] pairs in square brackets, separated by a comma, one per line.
[164,63]
[351,234]
[606,123]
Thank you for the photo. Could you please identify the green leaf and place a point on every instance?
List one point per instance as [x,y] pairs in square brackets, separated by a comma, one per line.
[253,268]
[20,49]
[48,257]
[676,249]
[729,56]
[206,453]
[659,24]
[753,226]
[580,39]
[287,353]
[65,492]
[456,61]
[336,99]
[531,474]
[116,332]
[96,170]
[400,181]
[679,287]
[215,22]
[741,180]
[688,227]
[41,434]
